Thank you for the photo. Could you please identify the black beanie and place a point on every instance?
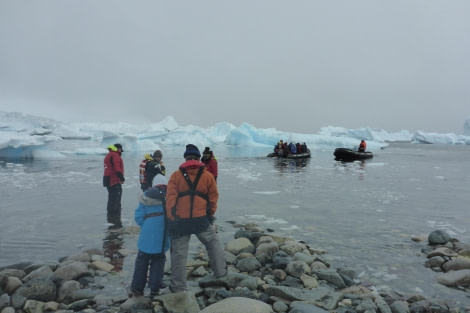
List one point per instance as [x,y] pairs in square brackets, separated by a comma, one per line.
[192,150]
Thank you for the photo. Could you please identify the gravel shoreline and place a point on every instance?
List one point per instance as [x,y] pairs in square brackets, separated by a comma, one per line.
[267,273]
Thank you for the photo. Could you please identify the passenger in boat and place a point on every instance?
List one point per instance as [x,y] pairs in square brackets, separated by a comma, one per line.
[362,146]
[280,146]
[292,148]
[298,146]
[304,147]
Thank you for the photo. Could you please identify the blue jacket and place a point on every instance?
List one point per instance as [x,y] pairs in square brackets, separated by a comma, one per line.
[150,216]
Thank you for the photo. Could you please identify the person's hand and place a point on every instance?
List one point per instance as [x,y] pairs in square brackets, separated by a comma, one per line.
[121,177]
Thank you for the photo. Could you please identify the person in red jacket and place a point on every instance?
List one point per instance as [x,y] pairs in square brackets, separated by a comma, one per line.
[362,146]
[113,177]
[210,162]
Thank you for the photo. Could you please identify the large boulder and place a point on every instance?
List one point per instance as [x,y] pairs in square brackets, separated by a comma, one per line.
[238,305]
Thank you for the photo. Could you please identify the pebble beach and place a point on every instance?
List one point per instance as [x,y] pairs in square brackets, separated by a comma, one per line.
[267,273]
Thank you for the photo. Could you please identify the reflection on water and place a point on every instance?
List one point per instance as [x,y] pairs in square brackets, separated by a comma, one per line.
[112,243]
[357,167]
[283,164]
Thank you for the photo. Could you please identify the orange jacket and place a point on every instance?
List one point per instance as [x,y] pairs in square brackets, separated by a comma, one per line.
[181,206]
[362,145]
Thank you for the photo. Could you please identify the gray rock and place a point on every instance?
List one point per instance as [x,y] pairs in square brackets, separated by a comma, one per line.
[296,294]
[11,272]
[240,245]
[307,258]
[39,289]
[66,291]
[18,301]
[456,264]
[135,302]
[4,301]
[53,266]
[81,304]
[439,237]
[442,251]
[306,308]
[42,272]
[230,258]
[280,260]
[280,306]
[298,268]
[382,305]
[238,305]
[70,271]
[248,264]
[292,247]
[454,278]
[435,261]
[331,277]
[33,306]
[8,310]
[267,248]
[83,294]
[400,307]
[11,284]
[231,280]
[366,305]
[181,302]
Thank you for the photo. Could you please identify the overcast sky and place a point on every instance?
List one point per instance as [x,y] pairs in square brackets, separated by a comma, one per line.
[291,65]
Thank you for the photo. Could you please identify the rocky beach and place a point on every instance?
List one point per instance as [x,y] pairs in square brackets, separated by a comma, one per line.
[267,273]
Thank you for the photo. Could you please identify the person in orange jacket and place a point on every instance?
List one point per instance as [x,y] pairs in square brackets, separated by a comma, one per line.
[191,203]
[362,146]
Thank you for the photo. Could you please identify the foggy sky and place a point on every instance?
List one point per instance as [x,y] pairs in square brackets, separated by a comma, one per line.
[291,65]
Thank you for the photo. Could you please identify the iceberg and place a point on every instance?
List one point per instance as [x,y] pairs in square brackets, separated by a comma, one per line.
[32,137]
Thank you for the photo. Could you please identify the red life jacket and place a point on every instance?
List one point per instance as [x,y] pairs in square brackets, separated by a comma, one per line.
[142,175]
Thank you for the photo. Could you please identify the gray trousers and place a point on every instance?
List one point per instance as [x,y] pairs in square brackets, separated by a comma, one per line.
[179,255]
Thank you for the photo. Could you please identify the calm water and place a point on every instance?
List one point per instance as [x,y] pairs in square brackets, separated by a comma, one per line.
[362,214]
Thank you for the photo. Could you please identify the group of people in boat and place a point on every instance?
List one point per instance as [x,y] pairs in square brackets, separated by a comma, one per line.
[290,148]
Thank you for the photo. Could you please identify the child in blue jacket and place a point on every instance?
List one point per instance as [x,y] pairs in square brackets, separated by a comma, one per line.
[153,241]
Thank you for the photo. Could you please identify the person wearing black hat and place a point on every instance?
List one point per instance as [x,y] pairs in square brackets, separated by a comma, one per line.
[113,178]
[210,162]
[191,203]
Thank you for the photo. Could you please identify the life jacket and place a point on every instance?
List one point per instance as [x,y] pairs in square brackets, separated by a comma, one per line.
[142,174]
[192,192]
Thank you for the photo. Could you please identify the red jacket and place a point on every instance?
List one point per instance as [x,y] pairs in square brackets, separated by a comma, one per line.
[211,165]
[113,168]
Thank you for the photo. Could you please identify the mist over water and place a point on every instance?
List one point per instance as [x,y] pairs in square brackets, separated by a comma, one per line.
[362,213]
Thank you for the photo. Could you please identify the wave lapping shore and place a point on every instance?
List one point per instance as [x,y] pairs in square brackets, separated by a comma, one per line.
[267,273]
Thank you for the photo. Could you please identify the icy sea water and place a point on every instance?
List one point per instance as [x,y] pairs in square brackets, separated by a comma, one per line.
[363,214]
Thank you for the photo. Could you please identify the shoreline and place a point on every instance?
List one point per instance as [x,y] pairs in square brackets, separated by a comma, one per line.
[264,267]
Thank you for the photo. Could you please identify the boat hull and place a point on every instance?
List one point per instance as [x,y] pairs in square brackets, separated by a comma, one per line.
[303,155]
[344,154]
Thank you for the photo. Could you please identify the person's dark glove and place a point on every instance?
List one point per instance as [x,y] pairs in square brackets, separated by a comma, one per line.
[211,219]
[120,176]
